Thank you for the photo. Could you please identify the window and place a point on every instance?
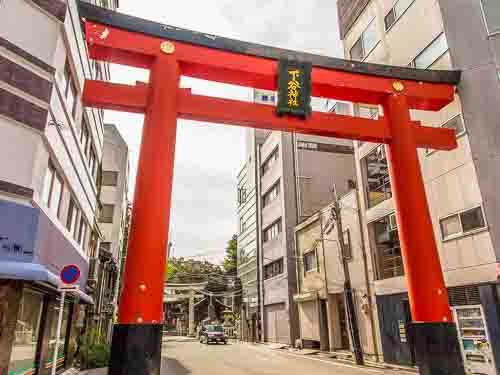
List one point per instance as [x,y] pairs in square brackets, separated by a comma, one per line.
[272,231]
[388,249]
[347,245]
[242,195]
[82,231]
[366,42]
[455,123]
[491,11]
[53,190]
[70,92]
[273,269]
[62,337]
[85,136]
[107,213]
[400,6]
[368,112]
[462,223]
[73,213]
[310,261]
[431,53]
[376,170]
[27,330]
[307,145]
[106,246]
[266,166]
[243,224]
[272,194]
[92,162]
[109,178]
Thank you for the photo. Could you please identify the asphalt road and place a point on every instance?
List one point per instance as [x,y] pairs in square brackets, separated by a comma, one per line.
[183,357]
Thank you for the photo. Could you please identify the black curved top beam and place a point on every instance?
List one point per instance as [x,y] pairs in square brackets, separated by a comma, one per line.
[122,21]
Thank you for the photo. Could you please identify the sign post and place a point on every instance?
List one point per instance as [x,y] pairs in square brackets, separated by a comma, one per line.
[70,274]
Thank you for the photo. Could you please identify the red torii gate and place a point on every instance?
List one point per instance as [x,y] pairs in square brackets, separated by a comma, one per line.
[169,52]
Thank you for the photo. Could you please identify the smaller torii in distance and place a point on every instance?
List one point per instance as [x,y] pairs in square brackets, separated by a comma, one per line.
[169,52]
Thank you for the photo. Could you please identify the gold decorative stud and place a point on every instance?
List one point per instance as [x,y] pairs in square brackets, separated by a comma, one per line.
[398,86]
[142,287]
[167,47]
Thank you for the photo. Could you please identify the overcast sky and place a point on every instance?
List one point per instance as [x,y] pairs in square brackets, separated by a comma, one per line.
[208,156]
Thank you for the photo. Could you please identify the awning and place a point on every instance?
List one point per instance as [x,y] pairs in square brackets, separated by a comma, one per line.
[36,272]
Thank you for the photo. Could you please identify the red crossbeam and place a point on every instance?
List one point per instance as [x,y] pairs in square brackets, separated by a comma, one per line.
[134,49]
[127,98]
[114,96]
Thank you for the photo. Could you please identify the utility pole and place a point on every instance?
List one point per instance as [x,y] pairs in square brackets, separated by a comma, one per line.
[349,300]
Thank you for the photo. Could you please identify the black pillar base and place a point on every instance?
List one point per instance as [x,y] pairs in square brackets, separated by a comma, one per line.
[437,348]
[136,349]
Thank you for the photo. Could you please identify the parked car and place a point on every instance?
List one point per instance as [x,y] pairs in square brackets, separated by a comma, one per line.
[213,333]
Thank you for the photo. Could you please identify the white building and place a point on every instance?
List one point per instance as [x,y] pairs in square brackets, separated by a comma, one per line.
[50,156]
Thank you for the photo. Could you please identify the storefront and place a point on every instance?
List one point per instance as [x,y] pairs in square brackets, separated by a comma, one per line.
[33,251]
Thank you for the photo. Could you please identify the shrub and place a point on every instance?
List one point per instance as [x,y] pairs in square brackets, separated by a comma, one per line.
[93,353]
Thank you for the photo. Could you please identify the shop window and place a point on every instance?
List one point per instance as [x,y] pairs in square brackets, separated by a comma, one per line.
[389,259]
[437,48]
[273,269]
[399,8]
[366,42]
[62,349]
[272,231]
[376,171]
[266,166]
[23,356]
[491,12]
[311,261]
[462,223]
[271,194]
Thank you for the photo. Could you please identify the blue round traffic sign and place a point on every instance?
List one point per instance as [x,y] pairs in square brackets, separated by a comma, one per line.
[70,274]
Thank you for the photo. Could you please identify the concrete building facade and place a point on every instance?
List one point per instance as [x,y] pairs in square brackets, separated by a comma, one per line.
[113,223]
[50,156]
[324,323]
[294,175]
[460,184]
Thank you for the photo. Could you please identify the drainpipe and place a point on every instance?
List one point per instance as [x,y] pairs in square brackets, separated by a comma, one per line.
[367,278]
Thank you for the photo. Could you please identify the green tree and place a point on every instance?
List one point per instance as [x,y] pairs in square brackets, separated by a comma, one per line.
[231,259]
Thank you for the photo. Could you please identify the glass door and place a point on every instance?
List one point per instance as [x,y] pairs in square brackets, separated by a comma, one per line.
[474,340]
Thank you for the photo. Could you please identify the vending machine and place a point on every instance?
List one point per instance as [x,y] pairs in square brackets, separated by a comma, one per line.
[474,340]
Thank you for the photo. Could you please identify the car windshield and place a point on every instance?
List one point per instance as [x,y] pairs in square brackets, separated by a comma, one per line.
[215,329]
